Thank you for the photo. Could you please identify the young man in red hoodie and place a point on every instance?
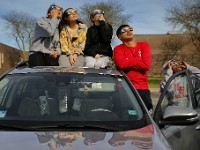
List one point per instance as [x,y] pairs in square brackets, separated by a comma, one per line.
[134,58]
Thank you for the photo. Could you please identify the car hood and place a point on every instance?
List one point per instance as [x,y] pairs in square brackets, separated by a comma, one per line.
[145,138]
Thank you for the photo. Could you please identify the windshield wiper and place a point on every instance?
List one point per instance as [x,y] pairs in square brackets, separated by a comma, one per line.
[22,125]
[94,127]
[73,127]
[13,128]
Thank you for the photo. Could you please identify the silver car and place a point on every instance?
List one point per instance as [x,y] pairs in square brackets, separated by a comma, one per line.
[78,108]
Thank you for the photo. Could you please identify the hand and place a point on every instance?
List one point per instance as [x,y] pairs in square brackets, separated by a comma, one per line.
[101,18]
[75,57]
[54,54]
[169,65]
[98,56]
[71,59]
[185,64]
[182,65]
[54,13]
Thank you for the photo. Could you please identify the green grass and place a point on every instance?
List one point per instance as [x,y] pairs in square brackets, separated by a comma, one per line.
[154,82]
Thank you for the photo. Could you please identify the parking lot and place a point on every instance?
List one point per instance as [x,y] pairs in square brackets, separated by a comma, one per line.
[155,96]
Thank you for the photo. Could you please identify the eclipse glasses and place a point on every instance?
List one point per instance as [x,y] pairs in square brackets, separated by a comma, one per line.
[68,13]
[97,12]
[123,30]
[53,6]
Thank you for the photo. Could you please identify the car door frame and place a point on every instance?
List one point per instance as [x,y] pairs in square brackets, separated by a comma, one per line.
[172,132]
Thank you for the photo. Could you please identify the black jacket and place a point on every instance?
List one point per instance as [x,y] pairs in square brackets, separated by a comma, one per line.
[99,39]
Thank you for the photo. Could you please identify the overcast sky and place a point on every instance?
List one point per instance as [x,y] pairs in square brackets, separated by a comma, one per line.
[148,15]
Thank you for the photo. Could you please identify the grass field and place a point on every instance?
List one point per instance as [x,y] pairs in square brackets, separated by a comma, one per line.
[154,82]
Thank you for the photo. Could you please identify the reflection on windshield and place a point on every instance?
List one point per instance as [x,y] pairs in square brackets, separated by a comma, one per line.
[68,97]
[141,138]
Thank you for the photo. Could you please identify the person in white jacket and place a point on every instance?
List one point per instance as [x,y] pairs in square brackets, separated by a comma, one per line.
[178,92]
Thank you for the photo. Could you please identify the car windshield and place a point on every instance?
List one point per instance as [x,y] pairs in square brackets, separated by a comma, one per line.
[68,97]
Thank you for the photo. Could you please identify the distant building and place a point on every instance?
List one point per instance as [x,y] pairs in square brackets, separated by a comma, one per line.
[10,56]
[175,32]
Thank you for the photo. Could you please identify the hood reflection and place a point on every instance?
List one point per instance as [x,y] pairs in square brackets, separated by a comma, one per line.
[141,138]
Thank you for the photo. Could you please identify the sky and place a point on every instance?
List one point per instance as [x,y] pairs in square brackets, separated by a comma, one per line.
[148,15]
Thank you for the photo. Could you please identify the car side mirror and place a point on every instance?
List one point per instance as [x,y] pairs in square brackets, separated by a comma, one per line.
[176,115]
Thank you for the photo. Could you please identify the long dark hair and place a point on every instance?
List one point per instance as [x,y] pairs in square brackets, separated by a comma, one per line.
[63,22]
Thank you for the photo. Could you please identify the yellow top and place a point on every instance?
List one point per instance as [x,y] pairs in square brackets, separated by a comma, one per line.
[76,46]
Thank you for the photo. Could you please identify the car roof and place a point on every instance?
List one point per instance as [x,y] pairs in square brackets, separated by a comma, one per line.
[60,69]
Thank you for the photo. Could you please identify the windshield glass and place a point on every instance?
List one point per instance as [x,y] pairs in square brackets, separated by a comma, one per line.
[68,97]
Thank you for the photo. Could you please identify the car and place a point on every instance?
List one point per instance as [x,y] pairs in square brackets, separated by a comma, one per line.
[181,94]
[54,107]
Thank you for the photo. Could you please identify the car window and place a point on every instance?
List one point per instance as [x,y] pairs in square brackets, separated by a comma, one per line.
[177,92]
[70,97]
[195,80]
[3,86]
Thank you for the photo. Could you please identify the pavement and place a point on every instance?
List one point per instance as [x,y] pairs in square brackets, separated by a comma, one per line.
[155,93]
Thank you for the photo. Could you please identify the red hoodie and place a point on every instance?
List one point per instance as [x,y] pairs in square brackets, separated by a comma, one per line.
[135,62]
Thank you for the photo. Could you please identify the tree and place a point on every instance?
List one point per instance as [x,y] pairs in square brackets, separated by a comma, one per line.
[113,13]
[21,27]
[187,17]
[171,46]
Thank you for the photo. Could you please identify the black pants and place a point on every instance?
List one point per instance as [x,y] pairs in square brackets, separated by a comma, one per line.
[41,59]
[146,97]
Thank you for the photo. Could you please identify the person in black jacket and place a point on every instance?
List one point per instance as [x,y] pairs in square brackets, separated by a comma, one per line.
[98,50]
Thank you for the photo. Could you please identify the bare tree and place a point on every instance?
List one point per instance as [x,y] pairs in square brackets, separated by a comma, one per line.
[187,17]
[171,46]
[21,27]
[113,13]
